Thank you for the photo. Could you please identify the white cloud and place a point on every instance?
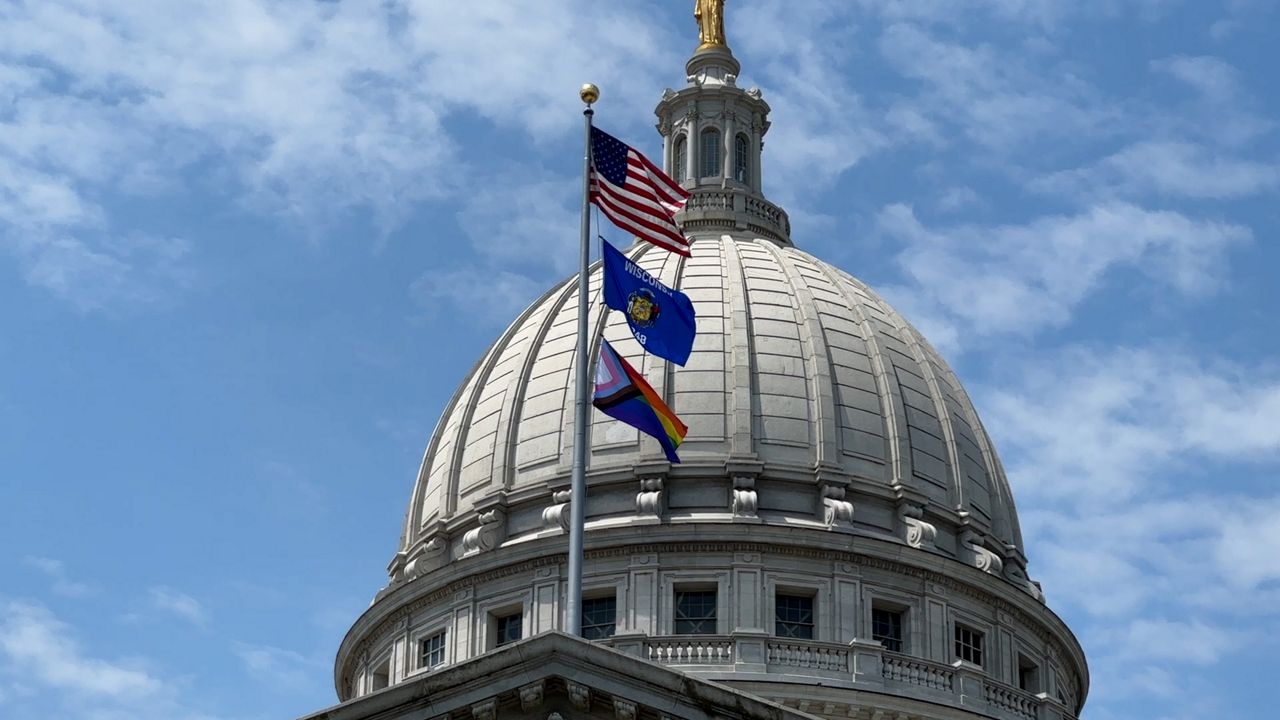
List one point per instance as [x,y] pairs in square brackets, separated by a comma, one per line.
[821,126]
[998,99]
[300,110]
[1212,77]
[278,666]
[56,571]
[494,296]
[1096,425]
[1122,462]
[1221,110]
[530,225]
[32,639]
[180,604]
[1168,168]
[1179,641]
[985,280]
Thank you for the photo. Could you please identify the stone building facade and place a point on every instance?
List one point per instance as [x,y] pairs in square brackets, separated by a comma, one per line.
[840,539]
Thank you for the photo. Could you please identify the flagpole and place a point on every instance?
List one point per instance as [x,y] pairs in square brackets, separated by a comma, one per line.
[578,489]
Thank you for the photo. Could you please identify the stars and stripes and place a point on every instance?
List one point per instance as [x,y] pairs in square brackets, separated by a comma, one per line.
[635,194]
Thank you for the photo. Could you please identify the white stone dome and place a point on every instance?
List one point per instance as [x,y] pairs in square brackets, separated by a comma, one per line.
[805,389]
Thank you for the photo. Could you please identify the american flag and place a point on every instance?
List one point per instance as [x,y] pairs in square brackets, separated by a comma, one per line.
[635,194]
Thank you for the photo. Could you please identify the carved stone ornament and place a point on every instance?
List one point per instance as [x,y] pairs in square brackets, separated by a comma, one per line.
[979,556]
[624,709]
[531,696]
[485,710]
[836,511]
[579,695]
[556,516]
[744,496]
[395,570]
[431,557]
[668,93]
[488,535]
[649,499]
[915,531]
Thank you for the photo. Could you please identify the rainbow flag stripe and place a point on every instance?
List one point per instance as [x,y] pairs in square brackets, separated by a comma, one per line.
[623,394]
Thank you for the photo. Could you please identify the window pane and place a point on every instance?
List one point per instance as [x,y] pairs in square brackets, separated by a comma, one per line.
[432,651]
[793,616]
[740,147]
[968,645]
[599,617]
[710,151]
[508,629]
[680,160]
[695,612]
[886,628]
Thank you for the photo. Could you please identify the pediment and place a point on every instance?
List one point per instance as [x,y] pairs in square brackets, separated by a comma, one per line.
[555,676]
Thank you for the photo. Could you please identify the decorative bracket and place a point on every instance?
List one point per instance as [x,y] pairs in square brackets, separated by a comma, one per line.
[429,558]
[744,496]
[835,510]
[624,709]
[556,516]
[979,556]
[485,710]
[488,535]
[579,695]
[649,500]
[531,696]
[916,532]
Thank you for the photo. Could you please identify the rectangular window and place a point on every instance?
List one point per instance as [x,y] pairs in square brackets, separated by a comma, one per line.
[381,676]
[886,628]
[508,629]
[793,616]
[599,617]
[1028,674]
[695,612]
[968,644]
[431,651]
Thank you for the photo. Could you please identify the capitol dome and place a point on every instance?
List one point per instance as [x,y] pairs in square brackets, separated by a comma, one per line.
[813,400]
[839,537]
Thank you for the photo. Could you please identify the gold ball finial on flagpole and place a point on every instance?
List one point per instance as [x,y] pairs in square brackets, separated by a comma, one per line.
[589,93]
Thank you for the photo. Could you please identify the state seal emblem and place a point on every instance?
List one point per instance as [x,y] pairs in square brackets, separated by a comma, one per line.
[643,308]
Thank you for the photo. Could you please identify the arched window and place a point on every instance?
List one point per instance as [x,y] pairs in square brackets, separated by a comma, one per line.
[709,150]
[740,167]
[680,160]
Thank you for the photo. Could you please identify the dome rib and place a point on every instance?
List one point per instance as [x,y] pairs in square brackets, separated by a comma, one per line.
[745,403]
[504,465]
[822,387]
[941,411]
[892,409]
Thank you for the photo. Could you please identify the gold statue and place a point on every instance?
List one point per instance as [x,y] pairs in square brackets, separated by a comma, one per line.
[710,17]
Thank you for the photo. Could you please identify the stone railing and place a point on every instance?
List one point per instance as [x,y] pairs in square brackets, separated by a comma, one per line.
[690,650]
[1013,701]
[808,654]
[735,208]
[914,671]
[864,664]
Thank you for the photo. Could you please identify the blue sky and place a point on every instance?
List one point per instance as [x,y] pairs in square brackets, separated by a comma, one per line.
[247,249]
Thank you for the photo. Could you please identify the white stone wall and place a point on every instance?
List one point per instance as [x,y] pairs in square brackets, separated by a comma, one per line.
[747,577]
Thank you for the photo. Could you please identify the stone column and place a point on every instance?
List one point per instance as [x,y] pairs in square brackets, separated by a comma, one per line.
[727,142]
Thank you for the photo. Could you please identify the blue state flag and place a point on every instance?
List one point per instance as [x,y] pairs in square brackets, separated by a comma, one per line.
[661,319]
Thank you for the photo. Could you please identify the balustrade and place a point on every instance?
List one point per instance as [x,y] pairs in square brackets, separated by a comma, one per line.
[690,650]
[808,655]
[1020,703]
[914,671]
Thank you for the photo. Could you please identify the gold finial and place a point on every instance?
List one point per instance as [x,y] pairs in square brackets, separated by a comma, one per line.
[710,17]
[589,93]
